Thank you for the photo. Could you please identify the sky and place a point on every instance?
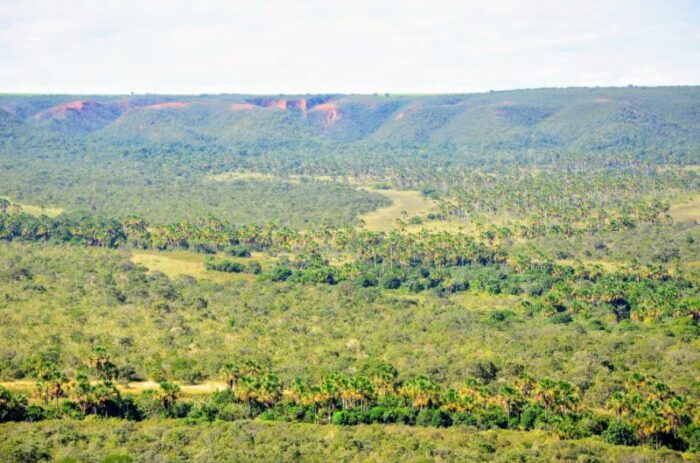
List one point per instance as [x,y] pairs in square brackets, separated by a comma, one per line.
[358,46]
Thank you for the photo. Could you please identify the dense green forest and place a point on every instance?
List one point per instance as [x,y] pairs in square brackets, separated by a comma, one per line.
[508,276]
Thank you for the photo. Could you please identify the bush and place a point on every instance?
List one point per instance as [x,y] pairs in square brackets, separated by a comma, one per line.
[593,425]
[561,318]
[436,418]
[346,418]
[13,407]
[280,273]
[491,418]
[391,282]
[365,281]
[531,416]
[403,415]
[376,414]
[464,419]
[691,434]
[620,434]
[254,268]
[29,452]
[117,459]
[238,251]
[227,266]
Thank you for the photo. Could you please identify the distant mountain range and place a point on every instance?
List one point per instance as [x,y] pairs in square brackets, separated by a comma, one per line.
[663,120]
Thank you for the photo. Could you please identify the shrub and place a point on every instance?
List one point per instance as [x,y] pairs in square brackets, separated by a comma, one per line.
[377,414]
[238,251]
[620,434]
[280,273]
[227,266]
[254,268]
[531,416]
[13,407]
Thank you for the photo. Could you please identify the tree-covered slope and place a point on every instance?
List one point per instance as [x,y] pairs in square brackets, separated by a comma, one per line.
[637,120]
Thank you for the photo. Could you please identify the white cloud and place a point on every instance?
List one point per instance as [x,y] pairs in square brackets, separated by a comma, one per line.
[343,46]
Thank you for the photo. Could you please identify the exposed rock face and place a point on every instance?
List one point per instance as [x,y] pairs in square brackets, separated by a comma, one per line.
[61,111]
[279,104]
[242,106]
[329,110]
[301,104]
[83,115]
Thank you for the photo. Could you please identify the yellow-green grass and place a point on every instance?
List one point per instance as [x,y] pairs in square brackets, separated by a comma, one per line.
[405,204]
[37,210]
[187,390]
[606,265]
[28,387]
[686,210]
[242,175]
[178,263]
[471,300]
[251,175]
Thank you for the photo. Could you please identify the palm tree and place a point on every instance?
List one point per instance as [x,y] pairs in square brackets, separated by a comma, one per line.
[58,385]
[567,396]
[328,393]
[269,390]
[383,381]
[105,392]
[82,391]
[247,389]
[526,385]
[420,392]
[251,368]
[231,372]
[508,397]
[168,394]
[617,402]
[676,412]
[102,363]
[546,393]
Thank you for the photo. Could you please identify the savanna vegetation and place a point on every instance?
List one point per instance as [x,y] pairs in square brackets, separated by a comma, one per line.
[511,276]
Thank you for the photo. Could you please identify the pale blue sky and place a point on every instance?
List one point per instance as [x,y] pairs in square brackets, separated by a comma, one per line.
[359,46]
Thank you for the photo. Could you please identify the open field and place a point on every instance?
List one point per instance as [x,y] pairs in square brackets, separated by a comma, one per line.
[405,204]
[28,387]
[686,210]
[37,210]
[178,263]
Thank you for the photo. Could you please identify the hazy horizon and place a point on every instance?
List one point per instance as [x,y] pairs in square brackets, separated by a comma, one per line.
[283,47]
[394,94]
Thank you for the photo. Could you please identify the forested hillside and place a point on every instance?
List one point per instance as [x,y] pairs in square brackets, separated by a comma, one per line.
[656,123]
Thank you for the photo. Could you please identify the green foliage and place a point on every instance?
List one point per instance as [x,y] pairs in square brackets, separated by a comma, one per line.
[620,434]
[559,237]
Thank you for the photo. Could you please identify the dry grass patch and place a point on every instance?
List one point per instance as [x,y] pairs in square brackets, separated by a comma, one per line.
[178,263]
[405,204]
[37,210]
[687,210]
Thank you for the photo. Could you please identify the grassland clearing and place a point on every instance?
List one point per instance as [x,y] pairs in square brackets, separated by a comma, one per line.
[686,210]
[405,204]
[37,210]
[28,387]
[179,263]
